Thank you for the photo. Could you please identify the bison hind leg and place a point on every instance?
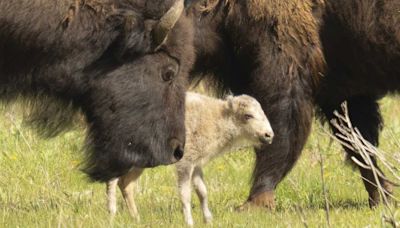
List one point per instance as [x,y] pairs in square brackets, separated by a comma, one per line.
[365,115]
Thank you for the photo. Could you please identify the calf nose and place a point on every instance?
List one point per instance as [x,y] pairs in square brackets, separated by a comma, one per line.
[178,149]
[267,137]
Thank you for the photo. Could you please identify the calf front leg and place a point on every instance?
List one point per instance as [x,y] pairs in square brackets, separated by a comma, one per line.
[126,184]
[201,191]
[184,173]
[111,196]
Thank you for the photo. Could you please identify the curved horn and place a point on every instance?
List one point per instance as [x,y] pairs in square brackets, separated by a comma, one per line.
[166,23]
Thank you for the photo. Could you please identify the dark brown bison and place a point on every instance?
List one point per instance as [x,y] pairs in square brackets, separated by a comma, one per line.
[123,64]
[298,55]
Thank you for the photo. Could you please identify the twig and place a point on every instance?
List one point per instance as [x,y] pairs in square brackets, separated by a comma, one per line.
[351,138]
[321,162]
[300,212]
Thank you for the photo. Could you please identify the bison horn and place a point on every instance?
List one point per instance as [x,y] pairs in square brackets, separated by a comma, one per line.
[166,23]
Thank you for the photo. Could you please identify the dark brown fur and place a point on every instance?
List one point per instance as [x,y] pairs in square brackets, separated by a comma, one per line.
[294,56]
[361,41]
[99,57]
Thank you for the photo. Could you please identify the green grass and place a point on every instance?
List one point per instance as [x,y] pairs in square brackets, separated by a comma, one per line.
[41,185]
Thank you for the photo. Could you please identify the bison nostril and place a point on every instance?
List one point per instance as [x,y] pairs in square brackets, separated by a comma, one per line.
[177,148]
[178,152]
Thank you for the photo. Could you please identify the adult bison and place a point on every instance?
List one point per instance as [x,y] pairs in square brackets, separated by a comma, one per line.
[295,55]
[123,64]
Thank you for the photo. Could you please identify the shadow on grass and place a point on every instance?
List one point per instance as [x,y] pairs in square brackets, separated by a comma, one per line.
[348,204]
[344,204]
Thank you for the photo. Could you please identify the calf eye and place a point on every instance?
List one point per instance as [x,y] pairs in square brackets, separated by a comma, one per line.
[168,74]
[248,116]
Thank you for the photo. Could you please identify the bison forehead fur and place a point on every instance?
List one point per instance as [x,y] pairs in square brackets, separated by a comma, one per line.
[98,57]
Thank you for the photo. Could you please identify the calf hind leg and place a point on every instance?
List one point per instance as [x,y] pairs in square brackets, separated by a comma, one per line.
[365,116]
[201,191]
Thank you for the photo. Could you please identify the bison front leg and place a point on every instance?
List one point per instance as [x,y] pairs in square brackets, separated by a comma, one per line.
[126,184]
[365,116]
[290,111]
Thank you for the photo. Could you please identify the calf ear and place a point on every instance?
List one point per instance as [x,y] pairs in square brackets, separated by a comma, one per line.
[235,104]
[230,102]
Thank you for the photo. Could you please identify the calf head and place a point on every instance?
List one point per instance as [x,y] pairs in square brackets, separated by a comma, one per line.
[251,119]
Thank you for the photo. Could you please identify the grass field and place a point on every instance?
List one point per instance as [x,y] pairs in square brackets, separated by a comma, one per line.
[41,185]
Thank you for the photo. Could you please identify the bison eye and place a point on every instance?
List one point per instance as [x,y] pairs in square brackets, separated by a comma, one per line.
[168,74]
[248,116]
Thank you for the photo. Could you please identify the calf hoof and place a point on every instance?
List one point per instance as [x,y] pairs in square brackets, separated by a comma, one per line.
[207,216]
[190,223]
[208,219]
[263,200]
[112,210]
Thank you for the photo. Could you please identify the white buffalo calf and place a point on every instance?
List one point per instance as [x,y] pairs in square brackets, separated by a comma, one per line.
[213,127]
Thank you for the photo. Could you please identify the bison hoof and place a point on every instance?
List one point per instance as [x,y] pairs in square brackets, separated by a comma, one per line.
[246,206]
[263,200]
[375,198]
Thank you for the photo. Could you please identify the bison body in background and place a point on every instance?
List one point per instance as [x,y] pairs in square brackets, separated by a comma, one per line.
[123,64]
[296,56]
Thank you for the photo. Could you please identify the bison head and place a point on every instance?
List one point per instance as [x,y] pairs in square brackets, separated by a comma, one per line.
[134,103]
